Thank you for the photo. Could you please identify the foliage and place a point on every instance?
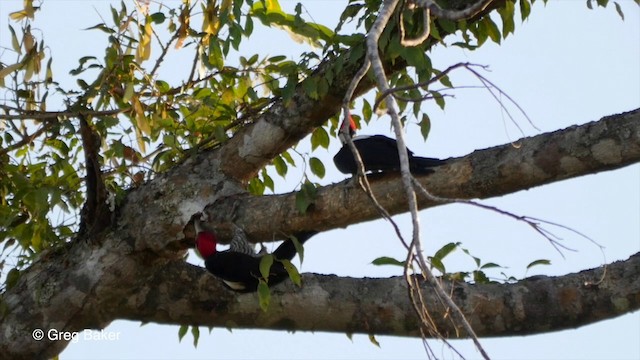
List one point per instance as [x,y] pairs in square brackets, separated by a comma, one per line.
[476,275]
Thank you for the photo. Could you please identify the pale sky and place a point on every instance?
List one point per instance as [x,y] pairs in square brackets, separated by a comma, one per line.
[566,65]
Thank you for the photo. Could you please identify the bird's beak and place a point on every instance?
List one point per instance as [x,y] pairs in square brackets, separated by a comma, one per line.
[343,137]
[197,226]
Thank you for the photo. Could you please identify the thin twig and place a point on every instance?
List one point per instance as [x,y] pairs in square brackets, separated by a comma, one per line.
[165,50]
[452,14]
[423,83]
[533,222]
[426,31]
[26,139]
[383,85]
[54,115]
[485,81]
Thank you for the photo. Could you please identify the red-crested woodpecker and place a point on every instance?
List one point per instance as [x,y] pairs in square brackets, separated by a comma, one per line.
[241,271]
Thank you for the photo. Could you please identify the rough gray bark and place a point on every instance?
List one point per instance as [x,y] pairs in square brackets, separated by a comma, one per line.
[610,143]
[380,306]
[90,284]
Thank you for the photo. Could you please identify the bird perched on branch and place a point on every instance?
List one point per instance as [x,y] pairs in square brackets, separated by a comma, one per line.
[241,271]
[379,154]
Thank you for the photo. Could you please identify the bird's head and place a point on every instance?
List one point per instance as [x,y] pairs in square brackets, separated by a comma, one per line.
[352,129]
[206,240]
[206,243]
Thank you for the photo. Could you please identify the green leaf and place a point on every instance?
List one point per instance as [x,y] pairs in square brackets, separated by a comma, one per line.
[158,17]
[310,86]
[492,30]
[294,275]
[319,137]
[446,250]
[268,181]
[265,265]
[306,197]
[367,111]
[538,262]
[373,340]
[12,278]
[290,87]
[525,9]
[425,126]
[416,57]
[256,186]
[270,14]
[182,332]
[14,41]
[162,86]
[128,92]
[248,26]
[288,158]
[480,277]
[439,99]
[465,45]
[169,140]
[506,15]
[317,167]
[445,80]
[281,167]
[385,260]
[475,259]
[215,59]
[437,264]
[264,295]
[253,59]
[277,58]
[298,246]
[458,276]
[49,73]
[195,331]
[447,25]
[490,265]
[434,30]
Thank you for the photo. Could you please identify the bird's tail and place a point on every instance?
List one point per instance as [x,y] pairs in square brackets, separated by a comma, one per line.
[287,250]
[424,165]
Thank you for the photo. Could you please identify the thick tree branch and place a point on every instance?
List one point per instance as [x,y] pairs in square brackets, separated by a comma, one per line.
[610,143]
[185,294]
[88,287]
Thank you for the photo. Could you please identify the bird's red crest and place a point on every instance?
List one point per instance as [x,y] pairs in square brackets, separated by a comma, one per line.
[352,126]
[206,243]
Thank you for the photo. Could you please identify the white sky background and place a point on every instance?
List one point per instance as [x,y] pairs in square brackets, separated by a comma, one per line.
[566,65]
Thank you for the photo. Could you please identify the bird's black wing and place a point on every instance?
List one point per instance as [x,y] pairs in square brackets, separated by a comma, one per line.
[378,153]
[238,271]
[241,272]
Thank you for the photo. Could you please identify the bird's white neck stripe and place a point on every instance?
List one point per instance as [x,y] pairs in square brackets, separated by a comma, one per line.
[361,137]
